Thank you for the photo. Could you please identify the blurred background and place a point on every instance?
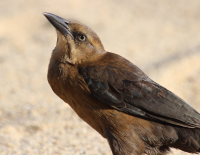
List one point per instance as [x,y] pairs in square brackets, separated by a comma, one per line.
[160,37]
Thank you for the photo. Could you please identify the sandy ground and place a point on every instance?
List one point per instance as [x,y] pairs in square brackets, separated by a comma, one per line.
[162,38]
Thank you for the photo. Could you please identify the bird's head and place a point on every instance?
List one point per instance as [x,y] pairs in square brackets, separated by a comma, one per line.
[76,43]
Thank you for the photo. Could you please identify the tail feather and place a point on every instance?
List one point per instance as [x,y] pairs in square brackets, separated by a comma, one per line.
[188,141]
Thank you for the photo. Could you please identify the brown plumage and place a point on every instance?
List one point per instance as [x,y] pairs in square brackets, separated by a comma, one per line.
[135,114]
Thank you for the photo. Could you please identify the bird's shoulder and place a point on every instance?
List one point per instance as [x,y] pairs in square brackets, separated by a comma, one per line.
[110,66]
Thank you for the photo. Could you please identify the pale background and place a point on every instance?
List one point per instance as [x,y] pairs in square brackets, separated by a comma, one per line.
[160,37]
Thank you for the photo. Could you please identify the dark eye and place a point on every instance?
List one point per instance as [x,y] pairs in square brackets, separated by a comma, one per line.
[81,37]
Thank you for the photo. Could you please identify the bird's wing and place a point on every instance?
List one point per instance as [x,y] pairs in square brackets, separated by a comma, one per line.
[125,87]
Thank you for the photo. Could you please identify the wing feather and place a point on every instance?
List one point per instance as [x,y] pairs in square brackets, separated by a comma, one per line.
[125,87]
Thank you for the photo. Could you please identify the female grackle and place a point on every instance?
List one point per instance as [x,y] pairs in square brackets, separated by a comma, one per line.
[136,115]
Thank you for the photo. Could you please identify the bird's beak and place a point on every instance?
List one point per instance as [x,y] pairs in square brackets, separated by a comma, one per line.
[59,23]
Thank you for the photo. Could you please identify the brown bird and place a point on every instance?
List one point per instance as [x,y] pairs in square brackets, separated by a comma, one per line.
[135,114]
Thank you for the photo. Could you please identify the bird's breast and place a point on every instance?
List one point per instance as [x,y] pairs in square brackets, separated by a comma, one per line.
[71,88]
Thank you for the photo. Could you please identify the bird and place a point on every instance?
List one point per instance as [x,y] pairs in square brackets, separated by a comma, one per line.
[117,99]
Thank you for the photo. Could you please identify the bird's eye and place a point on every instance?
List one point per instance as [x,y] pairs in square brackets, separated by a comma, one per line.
[81,37]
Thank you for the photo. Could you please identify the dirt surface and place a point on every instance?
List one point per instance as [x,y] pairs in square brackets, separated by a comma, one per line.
[162,38]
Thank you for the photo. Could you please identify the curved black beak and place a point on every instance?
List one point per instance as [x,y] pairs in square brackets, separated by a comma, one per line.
[59,23]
